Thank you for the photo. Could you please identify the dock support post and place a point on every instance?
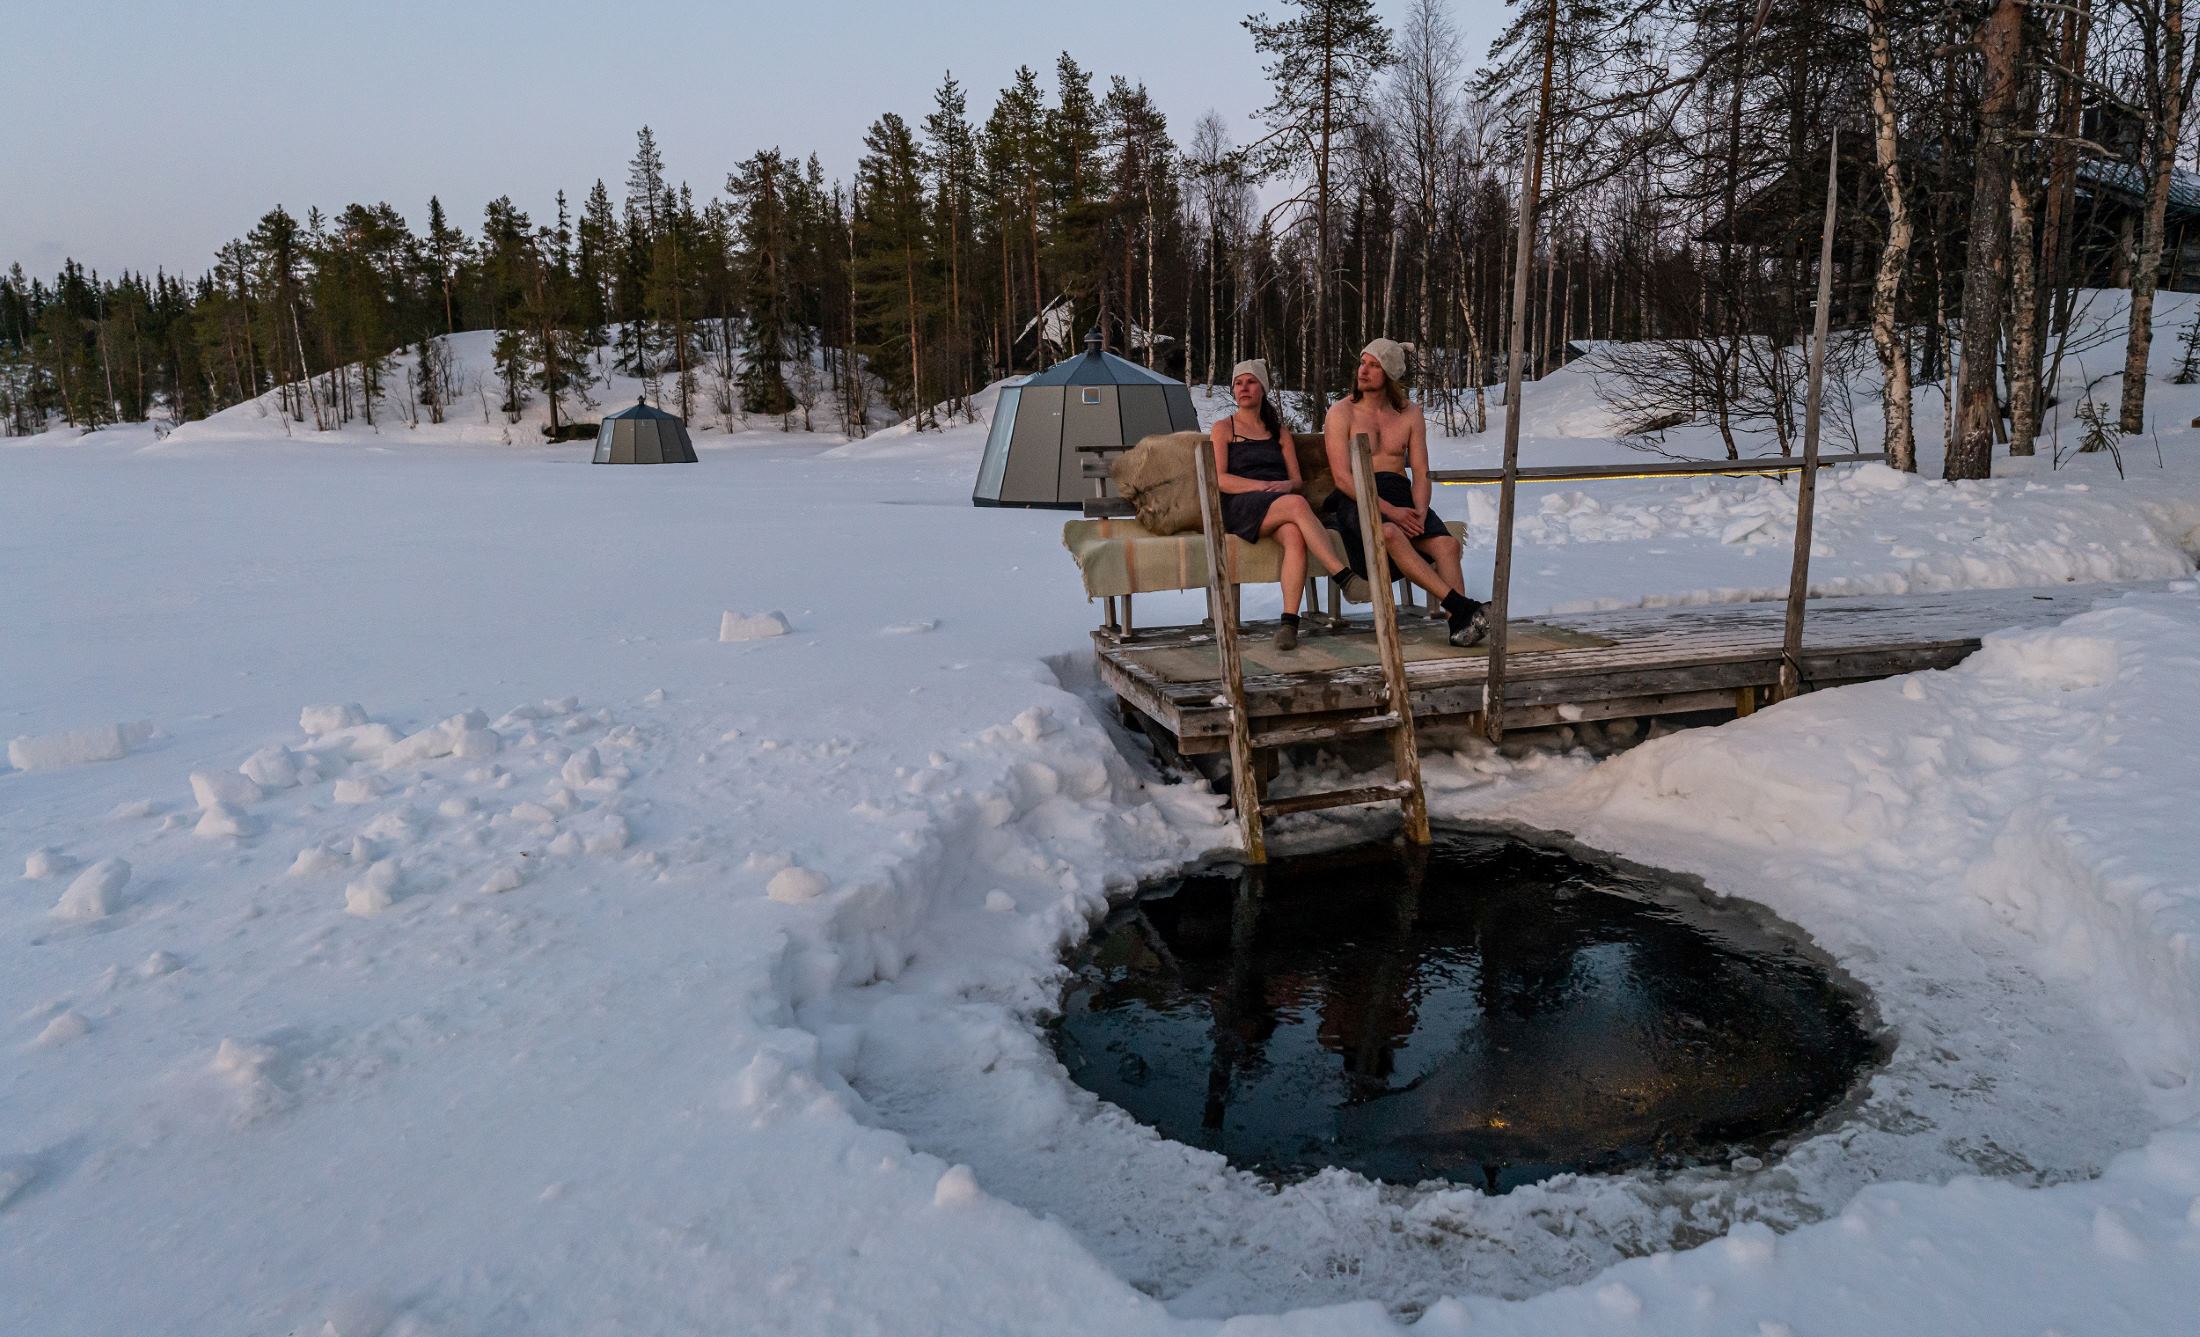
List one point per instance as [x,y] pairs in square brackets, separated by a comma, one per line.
[1806,491]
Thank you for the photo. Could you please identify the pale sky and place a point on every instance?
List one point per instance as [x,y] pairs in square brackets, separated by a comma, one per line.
[145,133]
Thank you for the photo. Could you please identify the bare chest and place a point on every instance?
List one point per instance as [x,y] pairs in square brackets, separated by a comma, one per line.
[1390,435]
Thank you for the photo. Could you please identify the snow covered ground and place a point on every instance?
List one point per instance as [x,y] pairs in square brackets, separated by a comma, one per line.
[595,974]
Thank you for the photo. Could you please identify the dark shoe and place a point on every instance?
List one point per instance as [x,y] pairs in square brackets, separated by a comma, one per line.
[1287,637]
[1470,629]
[1356,590]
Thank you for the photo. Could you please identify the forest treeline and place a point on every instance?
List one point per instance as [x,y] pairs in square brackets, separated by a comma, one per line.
[1994,158]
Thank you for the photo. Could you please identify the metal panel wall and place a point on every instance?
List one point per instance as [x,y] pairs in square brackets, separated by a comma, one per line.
[1145,412]
[1083,424]
[1035,451]
[1182,416]
[994,465]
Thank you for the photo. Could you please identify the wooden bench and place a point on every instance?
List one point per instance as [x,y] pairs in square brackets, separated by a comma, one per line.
[1119,558]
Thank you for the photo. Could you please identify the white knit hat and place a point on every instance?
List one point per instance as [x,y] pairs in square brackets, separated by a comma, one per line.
[1257,368]
[1391,354]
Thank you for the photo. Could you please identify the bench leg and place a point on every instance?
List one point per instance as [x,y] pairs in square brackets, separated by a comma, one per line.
[1126,616]
[1111,624]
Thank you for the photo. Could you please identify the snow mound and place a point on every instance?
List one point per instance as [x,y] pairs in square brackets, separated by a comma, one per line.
[44,862]
[792,886]
[91,896]
[752,626]
[76,747]
[319,720]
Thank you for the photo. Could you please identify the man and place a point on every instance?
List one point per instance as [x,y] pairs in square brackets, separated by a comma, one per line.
[1421,548]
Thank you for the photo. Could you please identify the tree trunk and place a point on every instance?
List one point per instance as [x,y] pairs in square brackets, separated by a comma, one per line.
[1730,304]
[1321,230]
[2001,42]
[1894,258]
[2062,190]
[2024,329]
[1214,262]
[2146,272]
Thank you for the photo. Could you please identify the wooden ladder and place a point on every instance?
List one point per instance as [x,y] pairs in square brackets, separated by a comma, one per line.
[1394,715]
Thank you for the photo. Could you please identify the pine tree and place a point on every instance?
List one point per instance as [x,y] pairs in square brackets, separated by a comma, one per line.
[506,265]
[763,238]
[675,273]
[951,164]
[889,236]
[1142,194]
[1320,63]
[596,263]
[1076,208]
[1012,151]
[548,307]
[446,251]
[645,180]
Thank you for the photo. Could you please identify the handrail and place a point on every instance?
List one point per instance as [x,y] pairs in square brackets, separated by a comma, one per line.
[1585,473]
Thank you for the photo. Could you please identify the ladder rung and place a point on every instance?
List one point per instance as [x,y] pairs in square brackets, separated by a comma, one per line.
[1335,798]
[1321,733]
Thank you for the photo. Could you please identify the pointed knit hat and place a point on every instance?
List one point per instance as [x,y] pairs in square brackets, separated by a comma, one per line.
[1391,354]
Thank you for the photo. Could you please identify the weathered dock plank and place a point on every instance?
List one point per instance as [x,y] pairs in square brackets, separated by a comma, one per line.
[1590,666]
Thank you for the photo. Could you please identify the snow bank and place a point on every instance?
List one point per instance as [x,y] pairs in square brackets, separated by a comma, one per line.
[2005,782]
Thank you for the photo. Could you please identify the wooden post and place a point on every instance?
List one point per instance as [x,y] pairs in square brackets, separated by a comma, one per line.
[1806,490]
[1405,750]
[1493,688]
[1244,781]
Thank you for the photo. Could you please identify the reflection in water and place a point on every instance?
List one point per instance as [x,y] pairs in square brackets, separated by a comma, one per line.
[1485,1011]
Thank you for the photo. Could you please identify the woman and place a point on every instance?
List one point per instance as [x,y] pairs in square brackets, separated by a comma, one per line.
[1258,472]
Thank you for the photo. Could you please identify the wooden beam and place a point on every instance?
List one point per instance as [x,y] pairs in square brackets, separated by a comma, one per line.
[1336,798]
[1531,187]
[1244,781]
[1806,492]
[1327,731]
[1589,473]
[1405,751]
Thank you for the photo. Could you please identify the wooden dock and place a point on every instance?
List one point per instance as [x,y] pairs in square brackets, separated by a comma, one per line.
[1562,667]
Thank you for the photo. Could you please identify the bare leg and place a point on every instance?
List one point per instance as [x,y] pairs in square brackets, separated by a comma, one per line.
[1443,554]
[1408,562]
[1294,566]
[1292,512]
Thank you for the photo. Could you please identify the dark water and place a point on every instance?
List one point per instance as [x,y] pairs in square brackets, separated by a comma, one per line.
[1486,1011]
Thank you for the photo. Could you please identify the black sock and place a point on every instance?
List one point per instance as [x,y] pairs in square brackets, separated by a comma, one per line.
[1458,607]
[1290,619]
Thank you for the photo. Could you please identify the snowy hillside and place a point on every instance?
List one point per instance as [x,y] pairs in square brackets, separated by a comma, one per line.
[475,414]
[418,921]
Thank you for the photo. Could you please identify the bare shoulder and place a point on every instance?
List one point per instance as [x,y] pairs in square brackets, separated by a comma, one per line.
[1339,416]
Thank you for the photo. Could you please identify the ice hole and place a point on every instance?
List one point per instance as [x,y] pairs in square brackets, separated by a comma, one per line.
[1486,1011]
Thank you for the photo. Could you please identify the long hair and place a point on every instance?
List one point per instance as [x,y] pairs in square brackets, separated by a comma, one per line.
[1392,391]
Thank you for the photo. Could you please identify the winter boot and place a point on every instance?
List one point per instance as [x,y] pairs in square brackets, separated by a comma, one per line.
[1466,621]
